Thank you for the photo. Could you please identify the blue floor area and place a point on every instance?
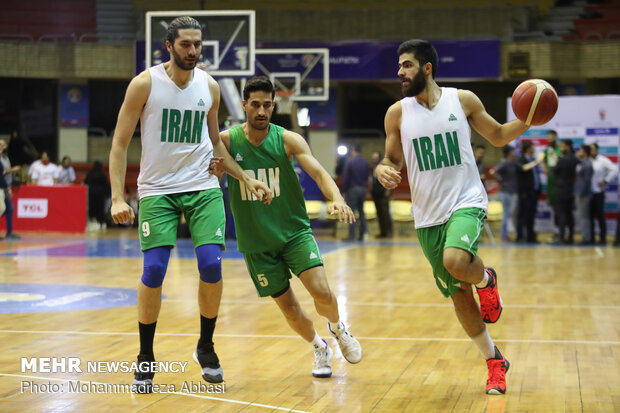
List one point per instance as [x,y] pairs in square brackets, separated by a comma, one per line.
[130,248]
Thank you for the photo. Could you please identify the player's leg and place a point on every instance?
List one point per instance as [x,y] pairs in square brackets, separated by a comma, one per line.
[325,302]
[302,324]
[296,317]
[463,231]
[470,318]
[158,219]
[204,213]
[302,256]
[433,240]
[271,275]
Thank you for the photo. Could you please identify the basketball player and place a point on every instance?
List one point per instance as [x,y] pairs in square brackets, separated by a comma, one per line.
[277,239]
[429,130]
[177,105]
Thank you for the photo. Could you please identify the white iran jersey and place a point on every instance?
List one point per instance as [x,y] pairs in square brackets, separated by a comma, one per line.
[442,171]
[176,148]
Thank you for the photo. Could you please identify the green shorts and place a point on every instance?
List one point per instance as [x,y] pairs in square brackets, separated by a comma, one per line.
[463,230]
[271,270]
[204,213]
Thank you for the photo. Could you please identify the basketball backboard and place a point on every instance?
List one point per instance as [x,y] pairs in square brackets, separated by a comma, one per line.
[305,72]
[228,40]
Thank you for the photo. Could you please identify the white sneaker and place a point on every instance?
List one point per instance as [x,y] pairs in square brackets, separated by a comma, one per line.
[349,346]
[322,357]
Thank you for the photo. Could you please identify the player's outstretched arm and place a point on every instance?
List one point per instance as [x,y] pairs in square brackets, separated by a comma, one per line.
[497,134]
[228,164]
[388,171]
[296,146]
[131,109]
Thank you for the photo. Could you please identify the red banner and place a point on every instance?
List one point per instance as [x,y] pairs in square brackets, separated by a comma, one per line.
[60,208]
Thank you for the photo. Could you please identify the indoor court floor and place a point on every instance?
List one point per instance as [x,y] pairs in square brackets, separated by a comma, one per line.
[75,297]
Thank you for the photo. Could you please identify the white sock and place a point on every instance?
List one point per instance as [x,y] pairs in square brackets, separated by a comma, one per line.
[485,344]
[485,280]
[339,327]
[317,341]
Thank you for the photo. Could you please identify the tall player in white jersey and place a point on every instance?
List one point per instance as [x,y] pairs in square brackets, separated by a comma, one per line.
[177,105]
[429,130]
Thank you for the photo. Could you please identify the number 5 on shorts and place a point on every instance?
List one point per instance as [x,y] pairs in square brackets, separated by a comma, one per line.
[146,230]
[262,280]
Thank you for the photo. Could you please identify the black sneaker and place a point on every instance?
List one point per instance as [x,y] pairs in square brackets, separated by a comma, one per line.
[143,378]
[210,364]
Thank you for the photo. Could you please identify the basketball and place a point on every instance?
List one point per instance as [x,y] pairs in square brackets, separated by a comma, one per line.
[535,102]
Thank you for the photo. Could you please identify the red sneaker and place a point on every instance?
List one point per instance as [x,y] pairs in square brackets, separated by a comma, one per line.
[490,301]
[496,383]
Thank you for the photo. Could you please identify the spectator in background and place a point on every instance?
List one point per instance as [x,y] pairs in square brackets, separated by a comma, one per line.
[506,174]
[552,155]
[479,151]
[6,163]
[603,172]
[66,173]
[617,240]
[381,197]
[583,192]
[564,172]
[6,181]
[354,184]
[44,173]
[528,188]
[98,190]
[21,152]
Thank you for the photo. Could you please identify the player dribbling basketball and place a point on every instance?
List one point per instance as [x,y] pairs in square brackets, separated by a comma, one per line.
[429,129]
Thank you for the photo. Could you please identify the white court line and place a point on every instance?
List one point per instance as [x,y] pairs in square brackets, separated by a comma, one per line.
[266,406]
[270,336]
[599,251]
[423,305]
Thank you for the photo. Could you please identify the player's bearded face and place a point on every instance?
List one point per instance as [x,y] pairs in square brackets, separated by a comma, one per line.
[188,62]
[416,85]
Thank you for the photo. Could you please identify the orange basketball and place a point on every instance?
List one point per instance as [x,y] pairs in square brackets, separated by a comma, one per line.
[534,102]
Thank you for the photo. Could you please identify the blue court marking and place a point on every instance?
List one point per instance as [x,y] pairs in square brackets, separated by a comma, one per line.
[42,298]
[130,248]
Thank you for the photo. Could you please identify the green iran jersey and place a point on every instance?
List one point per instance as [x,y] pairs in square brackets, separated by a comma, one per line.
[263,227]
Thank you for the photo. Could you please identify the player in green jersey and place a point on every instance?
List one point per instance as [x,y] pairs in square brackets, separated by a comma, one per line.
[276,239]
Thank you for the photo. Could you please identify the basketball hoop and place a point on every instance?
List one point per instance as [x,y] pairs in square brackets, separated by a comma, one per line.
[284,101]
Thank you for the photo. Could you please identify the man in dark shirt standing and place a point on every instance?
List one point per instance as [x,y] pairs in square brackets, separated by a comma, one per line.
[564,172]
[354,183]
[528,186]
[7,207]
[506,174]
[381,196]
[583,192]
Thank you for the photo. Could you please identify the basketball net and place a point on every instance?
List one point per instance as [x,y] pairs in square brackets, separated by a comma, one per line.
[284,103]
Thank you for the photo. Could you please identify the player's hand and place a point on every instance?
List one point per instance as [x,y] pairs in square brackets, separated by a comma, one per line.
[345,213]
[260,190]
[121,212]
[388,176]
[216,166]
